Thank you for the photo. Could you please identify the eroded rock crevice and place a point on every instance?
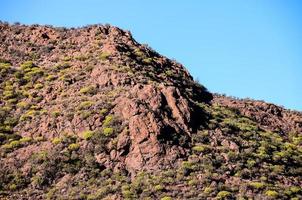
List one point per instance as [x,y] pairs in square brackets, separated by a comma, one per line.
[157,128]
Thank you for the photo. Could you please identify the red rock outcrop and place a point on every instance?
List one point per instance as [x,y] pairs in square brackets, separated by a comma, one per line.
[153,112]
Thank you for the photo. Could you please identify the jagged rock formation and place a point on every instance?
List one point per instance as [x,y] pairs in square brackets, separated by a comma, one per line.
[89,113]
[148,111]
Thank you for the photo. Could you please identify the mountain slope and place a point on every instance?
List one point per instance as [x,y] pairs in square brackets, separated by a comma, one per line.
[89,113]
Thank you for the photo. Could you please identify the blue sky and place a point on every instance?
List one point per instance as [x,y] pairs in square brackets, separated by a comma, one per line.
[247,48]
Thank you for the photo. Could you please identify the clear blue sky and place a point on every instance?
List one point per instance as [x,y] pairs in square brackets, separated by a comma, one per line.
[247,48]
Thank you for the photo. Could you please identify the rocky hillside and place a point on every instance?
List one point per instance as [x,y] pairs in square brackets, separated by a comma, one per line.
[89,113]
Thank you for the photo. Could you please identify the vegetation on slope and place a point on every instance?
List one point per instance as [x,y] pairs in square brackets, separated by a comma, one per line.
[112,119]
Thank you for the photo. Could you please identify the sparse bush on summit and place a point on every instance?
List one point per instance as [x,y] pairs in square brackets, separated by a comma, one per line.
[89,113]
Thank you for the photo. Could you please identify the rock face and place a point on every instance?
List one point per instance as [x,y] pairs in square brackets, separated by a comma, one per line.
[156,115]
[89,113]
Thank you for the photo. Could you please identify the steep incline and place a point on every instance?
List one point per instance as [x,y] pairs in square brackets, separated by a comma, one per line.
[67,77]
[89,113]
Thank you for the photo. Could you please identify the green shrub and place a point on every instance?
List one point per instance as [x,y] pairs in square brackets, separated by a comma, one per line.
[86,105]
[8,94]
[56,140]
[50,78]
[23,105]
[271,193]
[166,198]
[99,193]
[103,111]
[147,60]
[223,194]
[257,185]
[73,146]
[12,145]
[292,190]
[200,148]
[12,101]
[33,72]
[295,189]
[188,165]
[88,90]
[81,57]
[15,143]
[193,182]
[250,163]
[67,58]
[169,73]
[108,131]
[86,114]
[27,64]
[25,139]
[208,190]
[38,86]
[158,187]
[62,66]
[37,180]
[108,120]
[12,186]
[126,191]
[56,113]
[7,147]
[4,68]
[41,156]
[138,53]
[104,55]
[87,135]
